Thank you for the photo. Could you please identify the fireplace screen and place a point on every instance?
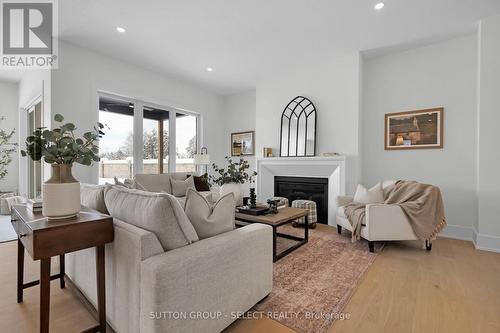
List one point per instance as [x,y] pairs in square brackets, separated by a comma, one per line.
[298,128]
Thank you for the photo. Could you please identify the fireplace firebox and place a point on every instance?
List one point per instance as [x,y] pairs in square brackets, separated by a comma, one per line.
[304,188]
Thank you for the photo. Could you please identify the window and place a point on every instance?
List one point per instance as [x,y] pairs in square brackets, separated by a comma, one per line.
[160,136]
[155,128]
[186,140]
[116,148]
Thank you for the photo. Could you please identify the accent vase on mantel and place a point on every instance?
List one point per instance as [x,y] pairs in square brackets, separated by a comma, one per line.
[236,189]
[61,193]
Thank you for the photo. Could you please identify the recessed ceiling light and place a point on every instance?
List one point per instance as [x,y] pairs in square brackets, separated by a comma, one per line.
[379,6]
[210,69]
[120,29]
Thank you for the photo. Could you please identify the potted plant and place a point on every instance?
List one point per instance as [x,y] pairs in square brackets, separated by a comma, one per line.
[6,149]
[61,148]
[231,179]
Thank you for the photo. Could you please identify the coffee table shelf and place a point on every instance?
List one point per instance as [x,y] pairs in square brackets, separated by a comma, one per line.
[284,216]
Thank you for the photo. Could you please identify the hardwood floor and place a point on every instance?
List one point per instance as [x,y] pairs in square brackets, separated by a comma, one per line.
[454,288]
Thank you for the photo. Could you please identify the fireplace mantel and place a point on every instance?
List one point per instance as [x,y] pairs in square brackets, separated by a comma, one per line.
[332,168]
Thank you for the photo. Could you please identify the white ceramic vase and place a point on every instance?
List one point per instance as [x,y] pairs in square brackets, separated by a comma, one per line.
[61,193]
[236,189]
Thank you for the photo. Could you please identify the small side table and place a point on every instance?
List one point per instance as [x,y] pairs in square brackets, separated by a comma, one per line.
[43,239]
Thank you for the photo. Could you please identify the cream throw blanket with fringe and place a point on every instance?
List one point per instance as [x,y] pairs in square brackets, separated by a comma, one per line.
[421,203]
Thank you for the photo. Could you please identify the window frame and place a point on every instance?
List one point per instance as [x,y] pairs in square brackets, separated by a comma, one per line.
[139,105]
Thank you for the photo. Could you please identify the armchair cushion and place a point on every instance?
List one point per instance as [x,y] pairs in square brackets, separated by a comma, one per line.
[369,196]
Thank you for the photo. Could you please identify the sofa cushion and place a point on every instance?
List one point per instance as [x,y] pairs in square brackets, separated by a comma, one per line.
[154,182]
[159,213]
[369,196]
[180,187]
[207,195]
[92,196]
[209,221]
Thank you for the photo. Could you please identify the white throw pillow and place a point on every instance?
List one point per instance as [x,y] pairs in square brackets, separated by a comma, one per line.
[180,187]
[209,221]
[372,196]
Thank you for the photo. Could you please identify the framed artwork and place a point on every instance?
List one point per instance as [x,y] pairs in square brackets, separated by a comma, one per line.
[243,143]
[420,129]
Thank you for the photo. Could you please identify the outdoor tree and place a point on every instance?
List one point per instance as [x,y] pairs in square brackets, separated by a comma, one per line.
[191,148]
[6,150]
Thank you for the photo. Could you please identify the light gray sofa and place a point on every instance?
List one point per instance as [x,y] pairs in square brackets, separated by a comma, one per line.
[162,183]
[204,285]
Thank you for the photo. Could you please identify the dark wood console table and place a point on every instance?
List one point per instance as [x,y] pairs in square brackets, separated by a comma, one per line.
[44,239]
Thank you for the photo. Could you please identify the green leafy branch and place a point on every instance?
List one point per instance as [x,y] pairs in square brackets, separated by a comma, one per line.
[6,149]
[61,146]
[235,173]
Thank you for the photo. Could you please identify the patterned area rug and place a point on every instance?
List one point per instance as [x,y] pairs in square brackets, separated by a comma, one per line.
[312,284]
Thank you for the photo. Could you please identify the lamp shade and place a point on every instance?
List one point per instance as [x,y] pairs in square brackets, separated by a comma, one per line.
[201,159]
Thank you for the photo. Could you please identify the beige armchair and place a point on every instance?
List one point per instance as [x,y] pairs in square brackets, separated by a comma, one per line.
[383,222]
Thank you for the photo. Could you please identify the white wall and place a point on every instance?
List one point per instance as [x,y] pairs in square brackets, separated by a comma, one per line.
[333,87]
[35,84]
[443,74]
[82,73]
[8,109]
[488,186]
[239,116]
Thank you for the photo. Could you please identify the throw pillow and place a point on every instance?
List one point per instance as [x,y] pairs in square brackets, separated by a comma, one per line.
[371,196]
[201,183]
[129,183]
[180,187]
[159,213]
[92,196]
[209,221]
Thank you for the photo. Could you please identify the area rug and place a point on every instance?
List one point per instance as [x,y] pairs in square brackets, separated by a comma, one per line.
[7,232]
[312,285]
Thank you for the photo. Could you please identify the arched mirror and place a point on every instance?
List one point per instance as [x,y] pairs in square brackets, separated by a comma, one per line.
[298,128]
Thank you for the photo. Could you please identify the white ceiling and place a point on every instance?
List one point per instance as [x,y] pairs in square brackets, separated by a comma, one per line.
[246,40]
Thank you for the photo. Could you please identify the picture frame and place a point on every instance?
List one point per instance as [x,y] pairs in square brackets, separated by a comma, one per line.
[243,143]
[419,129]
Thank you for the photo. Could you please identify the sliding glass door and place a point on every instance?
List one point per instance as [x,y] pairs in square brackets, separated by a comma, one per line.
[34,167]
[155,128]
[116,147]
[186,139]
[161,133]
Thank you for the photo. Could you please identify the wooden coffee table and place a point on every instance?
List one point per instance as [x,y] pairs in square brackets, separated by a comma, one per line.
[284,216]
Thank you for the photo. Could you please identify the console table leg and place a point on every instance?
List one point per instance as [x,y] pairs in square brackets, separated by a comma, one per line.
[20,270]
[101,287]
[62,270]
[44,295]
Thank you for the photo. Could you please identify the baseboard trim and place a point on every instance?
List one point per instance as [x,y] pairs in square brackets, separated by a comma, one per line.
[480,241]
[487,242]
[458,232]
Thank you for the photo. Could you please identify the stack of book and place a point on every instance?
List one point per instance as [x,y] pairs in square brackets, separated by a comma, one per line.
[34,205]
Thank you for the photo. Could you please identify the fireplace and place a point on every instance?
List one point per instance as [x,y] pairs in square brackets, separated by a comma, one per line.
[305,188]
